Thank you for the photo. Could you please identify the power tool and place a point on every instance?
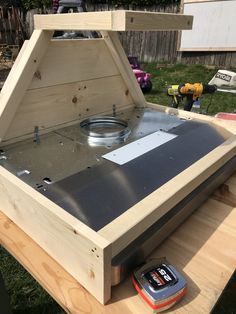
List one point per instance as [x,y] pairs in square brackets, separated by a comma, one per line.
[159,284]
[192,93]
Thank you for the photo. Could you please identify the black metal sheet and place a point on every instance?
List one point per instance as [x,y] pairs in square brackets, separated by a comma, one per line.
[98,195]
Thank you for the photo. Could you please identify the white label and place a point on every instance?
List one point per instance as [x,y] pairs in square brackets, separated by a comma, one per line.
[137,148]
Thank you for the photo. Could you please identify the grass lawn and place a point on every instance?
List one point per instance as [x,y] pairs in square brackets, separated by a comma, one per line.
[178,74]
[27,297]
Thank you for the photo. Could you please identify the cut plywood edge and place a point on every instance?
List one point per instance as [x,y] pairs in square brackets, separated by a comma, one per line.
[119,20]
[88,255]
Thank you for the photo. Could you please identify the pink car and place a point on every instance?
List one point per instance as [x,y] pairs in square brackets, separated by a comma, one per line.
[143,78]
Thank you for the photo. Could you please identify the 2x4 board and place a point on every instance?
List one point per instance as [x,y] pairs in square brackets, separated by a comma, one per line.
[55,84]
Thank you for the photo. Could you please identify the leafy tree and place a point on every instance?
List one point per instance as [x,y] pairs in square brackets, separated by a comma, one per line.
[36,4]
[27,4]
[8,3]
[136,2]
[32,4]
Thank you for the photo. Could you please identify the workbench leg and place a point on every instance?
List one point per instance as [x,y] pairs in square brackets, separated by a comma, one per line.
[4,298]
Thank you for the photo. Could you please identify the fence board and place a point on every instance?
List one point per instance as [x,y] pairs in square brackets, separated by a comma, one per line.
[147,46]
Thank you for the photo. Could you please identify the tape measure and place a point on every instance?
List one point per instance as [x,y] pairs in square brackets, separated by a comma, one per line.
[159,284]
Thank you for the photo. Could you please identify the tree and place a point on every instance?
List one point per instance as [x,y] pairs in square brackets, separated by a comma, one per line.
[36,4]
[42,4]
[136,2]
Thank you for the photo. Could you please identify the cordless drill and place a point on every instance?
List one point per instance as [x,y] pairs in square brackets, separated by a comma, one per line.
[192,92]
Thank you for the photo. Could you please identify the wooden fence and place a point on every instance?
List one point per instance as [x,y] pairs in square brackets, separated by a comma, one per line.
[12,28]
[158,47]
[153,46]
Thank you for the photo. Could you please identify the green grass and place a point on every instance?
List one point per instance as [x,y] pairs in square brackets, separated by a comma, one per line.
[178,74]
[27,297]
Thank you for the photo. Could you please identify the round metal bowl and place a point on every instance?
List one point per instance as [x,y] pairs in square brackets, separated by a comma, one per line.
[105,130]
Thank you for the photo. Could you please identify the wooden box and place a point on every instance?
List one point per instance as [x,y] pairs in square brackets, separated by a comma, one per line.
[57,83]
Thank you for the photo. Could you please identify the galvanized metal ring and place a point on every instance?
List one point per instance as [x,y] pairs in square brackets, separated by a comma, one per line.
[100,130]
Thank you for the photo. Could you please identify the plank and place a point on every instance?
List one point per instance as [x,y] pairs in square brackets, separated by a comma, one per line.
[82,252]
[60,104]
[133,222]
[202,248]
[14,88]
[68,61]
[73,21]
[225,125]
[119,20]
[139,20]
[113,43]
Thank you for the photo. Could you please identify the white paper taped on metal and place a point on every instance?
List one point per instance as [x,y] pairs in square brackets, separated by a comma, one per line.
[137,148]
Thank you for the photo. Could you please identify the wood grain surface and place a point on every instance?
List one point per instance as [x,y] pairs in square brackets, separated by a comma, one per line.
[21,76]
[203,248]
[120,20]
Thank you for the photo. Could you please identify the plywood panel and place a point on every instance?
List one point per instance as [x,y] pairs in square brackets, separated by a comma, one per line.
[214,26]
[68,61]
[52,106]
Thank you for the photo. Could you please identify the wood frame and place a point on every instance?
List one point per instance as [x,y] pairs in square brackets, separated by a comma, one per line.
[120,20]
[198,257]
[84,253]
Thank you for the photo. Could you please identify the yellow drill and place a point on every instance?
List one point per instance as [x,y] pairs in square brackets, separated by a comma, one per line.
[192,92]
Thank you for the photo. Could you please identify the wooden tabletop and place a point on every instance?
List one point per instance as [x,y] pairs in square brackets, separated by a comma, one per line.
[203,248]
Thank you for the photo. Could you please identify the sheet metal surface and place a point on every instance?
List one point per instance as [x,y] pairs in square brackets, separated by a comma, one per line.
[67,151]
[100,194]
[95,190]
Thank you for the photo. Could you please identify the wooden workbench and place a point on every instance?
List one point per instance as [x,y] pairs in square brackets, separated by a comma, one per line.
[203,248]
